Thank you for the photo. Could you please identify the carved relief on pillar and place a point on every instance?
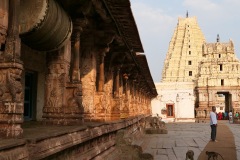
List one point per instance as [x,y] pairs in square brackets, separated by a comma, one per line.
[73,109]
[124,113]
[100,104]
[102,101]
[11,100]
[11,90]
[116,82]
[140,104]
[102,107]
[116,101]
[10,85]
[132,109]
[55,85]
[55,81]
[88,79]
[126,104]
[62,97]
[115,110]
[12,44]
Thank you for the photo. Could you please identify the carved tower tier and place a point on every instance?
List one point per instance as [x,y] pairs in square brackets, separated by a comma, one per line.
[184,53]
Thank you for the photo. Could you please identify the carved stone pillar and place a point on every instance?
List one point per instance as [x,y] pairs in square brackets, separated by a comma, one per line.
[125,110]
[137,98]
[11,90]
[133,105]
[76,56]
[140,104]
[63,99]
[116,102]
[116,81]
[125,90]
[3,23]
[133,100]
[78,25]
[12,49]
[101,69]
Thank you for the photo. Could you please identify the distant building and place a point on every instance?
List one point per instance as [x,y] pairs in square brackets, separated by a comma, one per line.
[197,75]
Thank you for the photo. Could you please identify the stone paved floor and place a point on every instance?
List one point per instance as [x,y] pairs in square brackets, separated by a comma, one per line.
[182,137]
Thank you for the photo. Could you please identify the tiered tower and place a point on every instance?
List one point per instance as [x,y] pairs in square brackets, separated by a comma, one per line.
[184,53]
[210,70]
[219,73]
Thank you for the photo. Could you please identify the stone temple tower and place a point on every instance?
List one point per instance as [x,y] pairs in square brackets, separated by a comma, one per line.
[197,75]
[184,53]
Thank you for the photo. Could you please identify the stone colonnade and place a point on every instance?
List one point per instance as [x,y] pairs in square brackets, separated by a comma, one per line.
[91,76]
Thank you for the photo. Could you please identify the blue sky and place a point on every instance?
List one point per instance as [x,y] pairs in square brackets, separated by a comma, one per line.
[157,19]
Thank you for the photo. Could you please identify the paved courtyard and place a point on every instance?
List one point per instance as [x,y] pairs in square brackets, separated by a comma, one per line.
[182,137]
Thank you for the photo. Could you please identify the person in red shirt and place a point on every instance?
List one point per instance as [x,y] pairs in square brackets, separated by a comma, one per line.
[219,116]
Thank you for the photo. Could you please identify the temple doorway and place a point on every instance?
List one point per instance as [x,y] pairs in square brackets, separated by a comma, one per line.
[224,102]
[170,110]
[30,96]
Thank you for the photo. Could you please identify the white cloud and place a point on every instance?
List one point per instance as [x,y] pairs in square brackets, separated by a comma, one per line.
[154,26]
[152,19]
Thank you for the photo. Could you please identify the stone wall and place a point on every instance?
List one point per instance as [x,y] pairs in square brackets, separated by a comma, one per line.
[82,142]
[178,94]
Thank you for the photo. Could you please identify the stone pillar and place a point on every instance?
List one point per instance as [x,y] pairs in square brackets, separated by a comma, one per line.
[11,90]
[78,25]
[125,79]
[116,81]
[63,99]
[140,102]
[3,23]
[116,103]
[101,69]
[134,98]
[76,56]
[137,98]
[125,110]
[12,49]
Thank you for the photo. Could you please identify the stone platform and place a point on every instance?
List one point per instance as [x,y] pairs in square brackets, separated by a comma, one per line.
[64,142]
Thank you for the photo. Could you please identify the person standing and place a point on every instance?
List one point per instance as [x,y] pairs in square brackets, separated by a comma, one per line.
[219,116]
[223,117]
[230,117]
[213,124]
[236,115]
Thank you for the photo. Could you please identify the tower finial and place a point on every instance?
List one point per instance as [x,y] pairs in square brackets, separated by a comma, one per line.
[218,38]
[187,14]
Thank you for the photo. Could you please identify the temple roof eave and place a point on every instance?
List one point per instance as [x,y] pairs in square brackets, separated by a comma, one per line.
[122,15]
[143,66]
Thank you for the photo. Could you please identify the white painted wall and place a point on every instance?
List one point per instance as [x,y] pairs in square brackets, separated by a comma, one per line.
[178,93]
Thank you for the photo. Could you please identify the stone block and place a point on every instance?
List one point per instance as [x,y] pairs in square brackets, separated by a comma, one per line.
[155,131]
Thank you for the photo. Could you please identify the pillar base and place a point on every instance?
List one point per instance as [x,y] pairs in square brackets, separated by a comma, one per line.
[10,130]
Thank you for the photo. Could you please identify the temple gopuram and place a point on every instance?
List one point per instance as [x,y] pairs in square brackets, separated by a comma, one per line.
[72,73]
[197,75]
